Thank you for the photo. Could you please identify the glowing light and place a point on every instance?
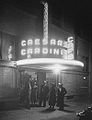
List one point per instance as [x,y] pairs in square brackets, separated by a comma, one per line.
[84,77]
[60,43]
[37,41]
[60,48]
[50,61]
[70,39]
[23,43]
[55,68]
[30,42]
[45,23]
[29,51]
[56,51]
[10,52]
[52,42]
[56,71]
[70,46]
[23,52]
[45,50]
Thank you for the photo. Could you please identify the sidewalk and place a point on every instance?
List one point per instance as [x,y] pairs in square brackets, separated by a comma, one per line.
[41,113]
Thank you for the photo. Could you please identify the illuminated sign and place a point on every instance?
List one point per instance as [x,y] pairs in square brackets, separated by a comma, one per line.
[36,48]
[10,52]
[45,23]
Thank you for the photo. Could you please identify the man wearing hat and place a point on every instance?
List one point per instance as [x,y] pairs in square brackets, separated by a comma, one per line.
[43,93]
[60,96]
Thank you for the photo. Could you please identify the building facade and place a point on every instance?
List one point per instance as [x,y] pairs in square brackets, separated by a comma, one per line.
[17,25]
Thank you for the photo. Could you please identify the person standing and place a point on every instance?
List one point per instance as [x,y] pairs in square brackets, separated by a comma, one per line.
[32,94]
[35,91]
[26,94]
[61,92]
[30,88]
[52,96]
[43,94]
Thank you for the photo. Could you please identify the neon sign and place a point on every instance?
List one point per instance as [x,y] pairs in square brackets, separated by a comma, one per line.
[35,48]
[10,52]
[45,23]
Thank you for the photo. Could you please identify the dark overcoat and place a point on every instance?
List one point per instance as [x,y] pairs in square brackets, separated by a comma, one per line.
[52,97]
[60,96]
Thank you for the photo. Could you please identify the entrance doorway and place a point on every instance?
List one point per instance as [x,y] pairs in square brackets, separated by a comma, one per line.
[35,79]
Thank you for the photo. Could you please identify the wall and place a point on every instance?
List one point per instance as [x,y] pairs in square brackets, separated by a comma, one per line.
[8,83]
[17,22]
[74,83]
[7,41]
[83,52]
[77,82]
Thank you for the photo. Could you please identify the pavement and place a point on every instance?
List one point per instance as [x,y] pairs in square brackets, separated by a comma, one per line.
[43,113]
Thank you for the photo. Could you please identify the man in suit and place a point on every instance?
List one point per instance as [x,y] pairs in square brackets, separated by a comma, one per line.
[61,92]
[44,90]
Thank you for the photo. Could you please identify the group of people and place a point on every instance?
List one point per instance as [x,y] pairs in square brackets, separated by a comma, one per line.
[29,92]
[54,95]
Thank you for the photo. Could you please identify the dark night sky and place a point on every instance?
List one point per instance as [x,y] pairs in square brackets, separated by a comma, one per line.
[79,11]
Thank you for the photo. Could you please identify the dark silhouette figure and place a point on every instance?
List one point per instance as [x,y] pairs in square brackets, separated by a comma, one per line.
[35,91]
[41,95]
[44,90]
[52,96]
[26,94]
[60,96]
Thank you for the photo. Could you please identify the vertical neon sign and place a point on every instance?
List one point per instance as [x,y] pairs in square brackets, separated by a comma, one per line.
[10,52]
[45,23]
